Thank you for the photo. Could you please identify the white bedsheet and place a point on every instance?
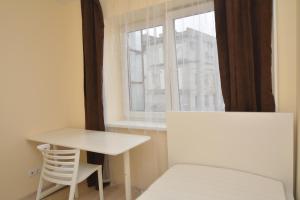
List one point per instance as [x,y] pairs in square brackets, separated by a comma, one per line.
[195,182]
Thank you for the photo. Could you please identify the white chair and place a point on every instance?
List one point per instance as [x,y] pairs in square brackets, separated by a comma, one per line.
[62,168]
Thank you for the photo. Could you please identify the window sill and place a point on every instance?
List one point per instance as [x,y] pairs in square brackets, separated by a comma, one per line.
[155,126]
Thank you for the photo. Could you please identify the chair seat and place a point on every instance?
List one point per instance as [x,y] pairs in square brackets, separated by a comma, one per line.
[85,170]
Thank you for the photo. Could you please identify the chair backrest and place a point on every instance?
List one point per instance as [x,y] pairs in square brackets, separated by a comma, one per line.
[43,147]
[59,166]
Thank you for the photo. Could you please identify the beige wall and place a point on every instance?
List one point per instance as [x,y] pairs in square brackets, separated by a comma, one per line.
[286,22]
[287,61]
[118,7]
[40,44]
[148,161]
[298,96]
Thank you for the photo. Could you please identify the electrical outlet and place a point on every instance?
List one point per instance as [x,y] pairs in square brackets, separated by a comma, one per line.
[33,172]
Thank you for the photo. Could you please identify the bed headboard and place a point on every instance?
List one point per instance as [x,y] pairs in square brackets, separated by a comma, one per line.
[259,143]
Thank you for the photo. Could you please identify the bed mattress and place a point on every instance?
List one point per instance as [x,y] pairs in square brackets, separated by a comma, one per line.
[196,182]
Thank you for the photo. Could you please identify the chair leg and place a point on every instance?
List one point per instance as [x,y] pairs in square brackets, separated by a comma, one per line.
[100,183]
[76,192]
[72,192]
[40,188]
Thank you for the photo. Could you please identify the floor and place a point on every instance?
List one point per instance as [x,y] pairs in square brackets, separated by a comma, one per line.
[110,193]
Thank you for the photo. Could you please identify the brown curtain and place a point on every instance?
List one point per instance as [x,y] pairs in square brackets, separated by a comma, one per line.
[244,30]
[93,37]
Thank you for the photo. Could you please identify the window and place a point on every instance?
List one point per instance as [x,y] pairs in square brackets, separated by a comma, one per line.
[146,70]
[185,44]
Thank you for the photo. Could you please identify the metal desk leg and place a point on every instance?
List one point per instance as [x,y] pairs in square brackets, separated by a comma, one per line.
[126,158]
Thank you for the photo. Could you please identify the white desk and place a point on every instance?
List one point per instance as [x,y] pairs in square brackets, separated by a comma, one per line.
[95,141]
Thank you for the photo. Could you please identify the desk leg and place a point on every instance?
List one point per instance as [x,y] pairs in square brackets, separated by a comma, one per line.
[126,158]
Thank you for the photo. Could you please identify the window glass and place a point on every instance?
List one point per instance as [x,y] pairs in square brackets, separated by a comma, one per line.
[137,97]
[136,67]
[199,87]
[146,70]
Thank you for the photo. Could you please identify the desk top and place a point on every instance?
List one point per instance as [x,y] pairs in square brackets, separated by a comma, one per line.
[95,141]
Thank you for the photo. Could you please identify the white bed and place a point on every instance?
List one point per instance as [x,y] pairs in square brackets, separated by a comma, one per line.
[227,156]
[195,182]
